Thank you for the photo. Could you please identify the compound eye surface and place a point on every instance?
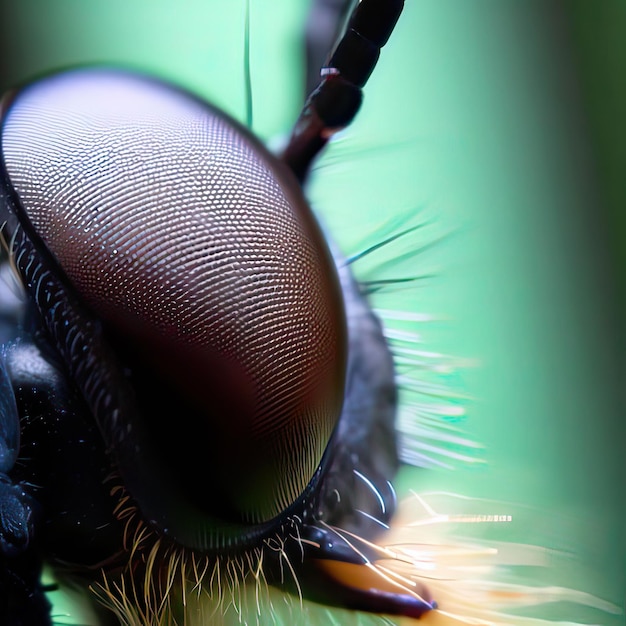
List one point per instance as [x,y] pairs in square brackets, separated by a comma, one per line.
[199,253]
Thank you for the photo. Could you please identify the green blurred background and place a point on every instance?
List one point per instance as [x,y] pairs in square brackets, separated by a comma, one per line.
[501,122]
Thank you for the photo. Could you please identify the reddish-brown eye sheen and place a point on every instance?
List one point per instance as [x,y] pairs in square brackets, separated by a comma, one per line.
[198,250]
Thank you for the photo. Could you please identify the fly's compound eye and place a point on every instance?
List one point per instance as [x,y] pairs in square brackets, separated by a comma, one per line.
[182,275]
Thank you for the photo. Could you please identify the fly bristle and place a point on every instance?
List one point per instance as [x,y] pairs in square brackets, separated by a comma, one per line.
[165,584]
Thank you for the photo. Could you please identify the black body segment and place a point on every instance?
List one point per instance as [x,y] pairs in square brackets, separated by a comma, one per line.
[55,502]
[9,422]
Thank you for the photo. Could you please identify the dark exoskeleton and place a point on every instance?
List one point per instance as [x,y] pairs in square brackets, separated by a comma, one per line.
[187,339]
